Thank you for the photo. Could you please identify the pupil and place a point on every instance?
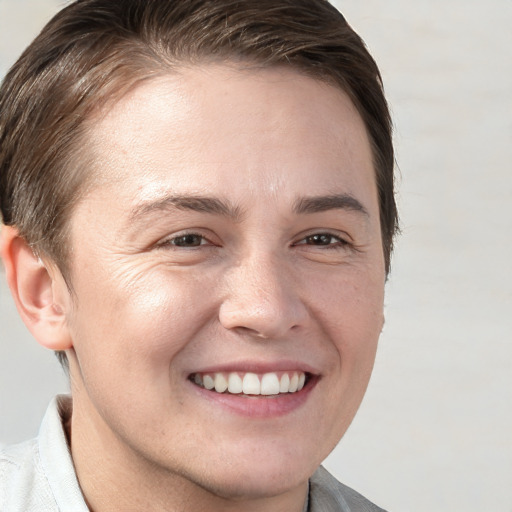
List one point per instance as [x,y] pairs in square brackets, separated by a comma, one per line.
[188,240]
[320,239]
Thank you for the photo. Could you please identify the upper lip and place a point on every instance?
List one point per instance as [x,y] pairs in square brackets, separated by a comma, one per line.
[259,367]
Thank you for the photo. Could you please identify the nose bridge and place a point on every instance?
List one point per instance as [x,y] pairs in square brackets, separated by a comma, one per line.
[261,297]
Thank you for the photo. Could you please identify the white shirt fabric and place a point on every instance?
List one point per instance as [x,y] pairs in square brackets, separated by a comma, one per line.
[38,475]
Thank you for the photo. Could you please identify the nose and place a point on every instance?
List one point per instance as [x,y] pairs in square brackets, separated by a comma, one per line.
[262,300]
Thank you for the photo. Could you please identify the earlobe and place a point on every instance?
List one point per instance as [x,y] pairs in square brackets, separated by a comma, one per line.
[39,292]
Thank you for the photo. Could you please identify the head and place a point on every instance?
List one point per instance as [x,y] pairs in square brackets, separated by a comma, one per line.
[100,66]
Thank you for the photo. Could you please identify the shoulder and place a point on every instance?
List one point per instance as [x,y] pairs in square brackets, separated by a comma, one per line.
[39,475]
[23,486]
[329,495]
[16,460]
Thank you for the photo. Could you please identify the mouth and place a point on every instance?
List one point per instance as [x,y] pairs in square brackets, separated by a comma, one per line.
[249,384]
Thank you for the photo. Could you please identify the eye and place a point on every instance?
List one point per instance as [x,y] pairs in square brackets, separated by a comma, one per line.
[323,240]
[187,240]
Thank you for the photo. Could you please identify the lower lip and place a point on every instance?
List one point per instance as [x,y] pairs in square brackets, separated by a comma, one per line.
[259,406]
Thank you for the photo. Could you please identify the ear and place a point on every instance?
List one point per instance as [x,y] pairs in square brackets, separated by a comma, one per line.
[39,291]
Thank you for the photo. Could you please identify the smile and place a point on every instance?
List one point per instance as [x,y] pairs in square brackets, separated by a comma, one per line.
[251,384]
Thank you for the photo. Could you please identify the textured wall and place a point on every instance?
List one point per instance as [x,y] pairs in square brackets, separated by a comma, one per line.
[434,432]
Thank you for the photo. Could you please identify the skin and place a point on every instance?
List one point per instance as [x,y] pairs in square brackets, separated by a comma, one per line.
[251,288]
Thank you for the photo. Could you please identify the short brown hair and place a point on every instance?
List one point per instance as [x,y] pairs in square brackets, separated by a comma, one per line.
[94,50]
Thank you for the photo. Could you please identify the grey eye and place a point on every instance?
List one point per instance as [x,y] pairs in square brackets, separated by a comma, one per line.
[188,240]
[321,239]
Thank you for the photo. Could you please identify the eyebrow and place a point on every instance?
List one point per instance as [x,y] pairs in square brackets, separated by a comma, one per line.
[200,204]
[216,206]
[318,204]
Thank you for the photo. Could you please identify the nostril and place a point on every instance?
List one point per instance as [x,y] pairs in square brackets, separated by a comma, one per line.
[251,332]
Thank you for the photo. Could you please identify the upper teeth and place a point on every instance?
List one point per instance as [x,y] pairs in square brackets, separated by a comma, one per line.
[252,383]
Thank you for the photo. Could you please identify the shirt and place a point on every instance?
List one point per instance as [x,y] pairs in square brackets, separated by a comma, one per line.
[39,476]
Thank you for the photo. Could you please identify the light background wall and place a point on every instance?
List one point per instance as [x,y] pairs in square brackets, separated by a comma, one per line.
[435,430]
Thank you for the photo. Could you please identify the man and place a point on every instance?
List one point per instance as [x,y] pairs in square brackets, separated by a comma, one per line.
[199,214]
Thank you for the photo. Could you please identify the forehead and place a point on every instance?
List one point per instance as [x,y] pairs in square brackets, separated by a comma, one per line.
[203,126]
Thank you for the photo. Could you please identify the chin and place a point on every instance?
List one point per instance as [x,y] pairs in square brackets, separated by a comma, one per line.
[254,483]
[262,476]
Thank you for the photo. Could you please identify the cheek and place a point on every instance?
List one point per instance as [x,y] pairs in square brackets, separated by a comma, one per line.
[137,322]
[351,308]
[352,313]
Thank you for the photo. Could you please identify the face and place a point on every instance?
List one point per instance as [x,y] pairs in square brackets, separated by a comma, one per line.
[231,240]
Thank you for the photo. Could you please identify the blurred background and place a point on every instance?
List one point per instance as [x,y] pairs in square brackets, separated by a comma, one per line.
[434,432]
